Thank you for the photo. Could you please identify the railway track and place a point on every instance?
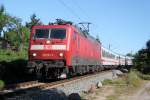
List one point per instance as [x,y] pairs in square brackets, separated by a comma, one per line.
[68,81]
[27,87]
[20,86]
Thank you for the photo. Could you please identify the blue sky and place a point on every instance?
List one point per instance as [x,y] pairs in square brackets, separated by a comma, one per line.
[124,24]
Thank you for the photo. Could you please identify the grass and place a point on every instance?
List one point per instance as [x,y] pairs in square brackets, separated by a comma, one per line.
[144,76]
[112,97]
[118,82]
[126,85]
[10,62]
[117,88]
[148,90]
[131,79]
[2,84]
[9,55]
[107,82]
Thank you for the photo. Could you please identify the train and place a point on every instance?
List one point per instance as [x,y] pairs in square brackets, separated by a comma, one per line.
[61,49]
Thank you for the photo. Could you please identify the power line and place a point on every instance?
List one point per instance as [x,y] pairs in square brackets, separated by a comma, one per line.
[81,9]
[69,9]
[74,13]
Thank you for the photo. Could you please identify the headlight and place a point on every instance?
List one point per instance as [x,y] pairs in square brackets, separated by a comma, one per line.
[61,54]
[48,42]
[34,54]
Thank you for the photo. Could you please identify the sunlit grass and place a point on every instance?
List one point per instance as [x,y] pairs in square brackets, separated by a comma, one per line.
[2,84]
[9,55]
[126,85]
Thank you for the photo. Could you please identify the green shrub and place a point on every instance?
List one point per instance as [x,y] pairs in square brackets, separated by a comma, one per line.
[144,76]
[2,84]
[9,55]
[133,79]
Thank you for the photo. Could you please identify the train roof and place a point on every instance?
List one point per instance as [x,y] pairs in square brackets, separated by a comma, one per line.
[110,51]
[116,54]
[85,34]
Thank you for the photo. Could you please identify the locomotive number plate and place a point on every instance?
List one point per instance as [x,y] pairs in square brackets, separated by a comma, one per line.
[47,47]
[47,55]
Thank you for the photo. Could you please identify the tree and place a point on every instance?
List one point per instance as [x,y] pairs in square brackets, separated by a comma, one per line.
[129,54]
[14,32]
[148,44]
[34,21]
[8,22]
[18,37]
[148,49]
[4,18]
[142,59]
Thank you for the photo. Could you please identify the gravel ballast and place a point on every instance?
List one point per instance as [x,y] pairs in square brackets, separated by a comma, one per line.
[61,92]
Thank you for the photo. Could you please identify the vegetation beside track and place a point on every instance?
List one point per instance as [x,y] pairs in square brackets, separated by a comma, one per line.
[14,45]
[9,55]
[126,85]
[2,84]
[13,66]
[115,89]
[142,59]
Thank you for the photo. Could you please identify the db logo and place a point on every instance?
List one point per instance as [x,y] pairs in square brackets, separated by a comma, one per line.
[47,47]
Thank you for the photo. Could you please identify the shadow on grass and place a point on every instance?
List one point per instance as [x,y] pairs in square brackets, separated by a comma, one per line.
[14,71]
[38,94]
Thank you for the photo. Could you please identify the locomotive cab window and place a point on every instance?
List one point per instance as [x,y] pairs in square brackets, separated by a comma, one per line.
[41,34]
[50,34]
[58,34]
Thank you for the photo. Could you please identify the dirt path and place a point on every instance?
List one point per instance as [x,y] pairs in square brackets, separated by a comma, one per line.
[142,94]
[104,93]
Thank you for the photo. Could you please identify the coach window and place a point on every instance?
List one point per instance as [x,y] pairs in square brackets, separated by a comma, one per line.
[103,53]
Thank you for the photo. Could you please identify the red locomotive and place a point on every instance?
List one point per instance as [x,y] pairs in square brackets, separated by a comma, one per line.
[62,49]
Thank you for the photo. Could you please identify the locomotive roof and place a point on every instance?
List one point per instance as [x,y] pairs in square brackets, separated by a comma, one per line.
[78,29]
[85,34]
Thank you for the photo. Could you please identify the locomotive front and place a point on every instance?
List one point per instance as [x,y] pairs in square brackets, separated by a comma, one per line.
[47,51]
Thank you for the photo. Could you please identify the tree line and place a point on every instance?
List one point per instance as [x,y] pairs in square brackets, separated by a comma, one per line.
[142,59]
[14,31]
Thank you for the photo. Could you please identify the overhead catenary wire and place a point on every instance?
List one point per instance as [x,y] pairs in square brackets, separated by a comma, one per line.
[71,11]
[83,12]
[81,9]
[74,13]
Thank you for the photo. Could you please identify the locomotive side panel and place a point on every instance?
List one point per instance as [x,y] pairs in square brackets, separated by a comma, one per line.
[86,51]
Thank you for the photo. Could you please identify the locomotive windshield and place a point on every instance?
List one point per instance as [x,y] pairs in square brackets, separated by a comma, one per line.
[58,34]
[41,34]
[50,33]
